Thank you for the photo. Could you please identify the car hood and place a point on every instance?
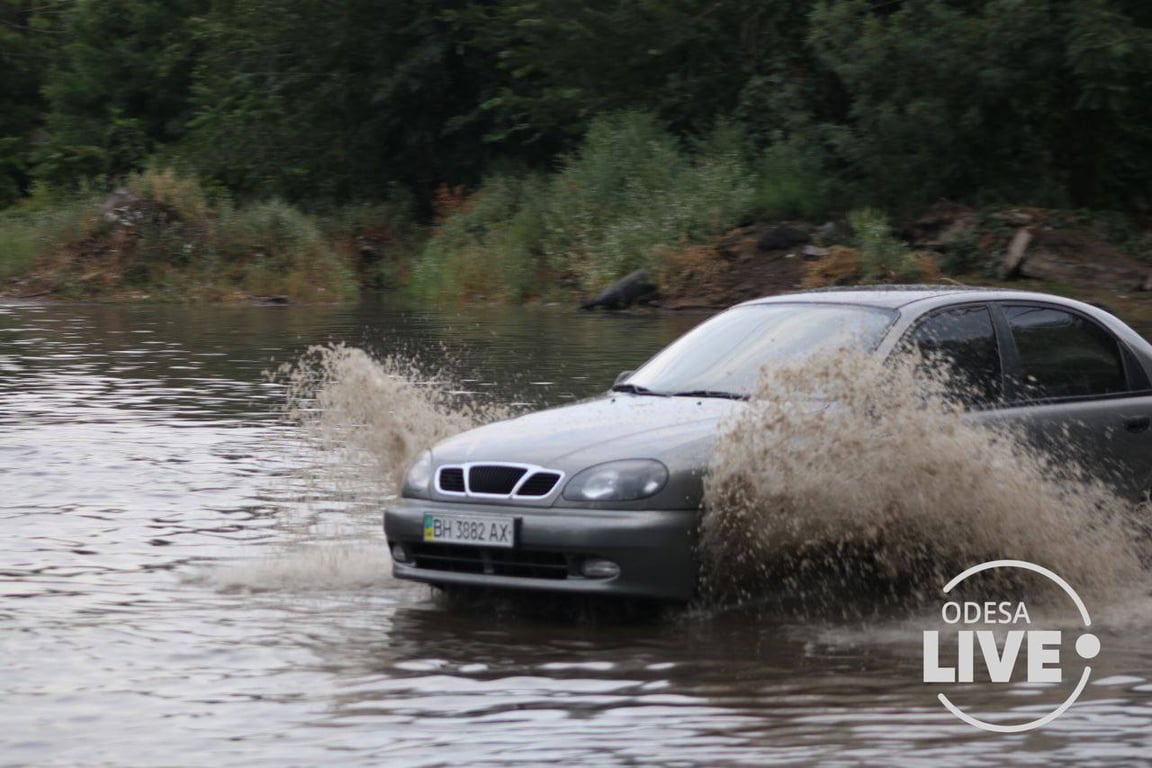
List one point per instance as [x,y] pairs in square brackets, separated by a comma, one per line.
[622,426]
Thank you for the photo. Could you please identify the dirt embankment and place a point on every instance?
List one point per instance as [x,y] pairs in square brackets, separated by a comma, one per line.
[1027,248]
[166,243]
[174,247]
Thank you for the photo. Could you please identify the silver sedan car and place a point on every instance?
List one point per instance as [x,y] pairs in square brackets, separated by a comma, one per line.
[604,496]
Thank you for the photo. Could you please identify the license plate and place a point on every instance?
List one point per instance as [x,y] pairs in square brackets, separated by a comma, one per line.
[486,531]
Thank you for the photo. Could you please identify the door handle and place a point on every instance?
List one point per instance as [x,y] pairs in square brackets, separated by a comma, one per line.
[1137,424]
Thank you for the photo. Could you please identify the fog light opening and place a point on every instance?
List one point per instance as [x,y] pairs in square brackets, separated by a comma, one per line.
[597,568]
[400,553]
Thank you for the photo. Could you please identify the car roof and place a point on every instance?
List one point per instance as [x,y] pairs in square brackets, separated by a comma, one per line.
[896,296]
[927,298]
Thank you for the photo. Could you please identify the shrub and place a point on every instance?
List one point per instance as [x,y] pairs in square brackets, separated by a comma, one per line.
[487,243]
[379,239]
[184,194]
[629,196]
[791,181]
[633,189]
[272,248]
[883,257]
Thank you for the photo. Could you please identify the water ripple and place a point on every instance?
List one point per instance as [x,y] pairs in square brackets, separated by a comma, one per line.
[155,507]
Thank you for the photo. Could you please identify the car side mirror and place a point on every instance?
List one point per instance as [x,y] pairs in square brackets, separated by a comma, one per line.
[622,377]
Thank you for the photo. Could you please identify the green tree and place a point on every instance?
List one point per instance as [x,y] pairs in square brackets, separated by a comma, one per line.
[120,85]
[26,43]
[1108,138]
[1035,100]
[337,100]
[688,61]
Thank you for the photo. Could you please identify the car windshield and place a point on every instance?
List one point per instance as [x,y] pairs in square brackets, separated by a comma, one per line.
[723,356]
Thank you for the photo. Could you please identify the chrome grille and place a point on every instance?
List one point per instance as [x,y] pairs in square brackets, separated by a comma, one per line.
[492,480]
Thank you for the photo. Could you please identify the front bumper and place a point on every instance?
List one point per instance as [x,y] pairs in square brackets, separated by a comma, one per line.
[654,549]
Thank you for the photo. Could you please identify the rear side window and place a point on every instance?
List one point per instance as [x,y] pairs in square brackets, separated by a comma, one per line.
[964,338]
[1064,355]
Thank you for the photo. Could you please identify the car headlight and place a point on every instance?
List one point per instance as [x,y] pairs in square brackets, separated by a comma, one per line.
[419,476]
[618,481]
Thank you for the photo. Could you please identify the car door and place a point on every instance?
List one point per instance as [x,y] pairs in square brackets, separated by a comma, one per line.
[1077,390]
[1057,374]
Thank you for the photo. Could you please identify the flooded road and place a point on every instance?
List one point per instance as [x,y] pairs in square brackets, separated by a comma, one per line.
[185,580]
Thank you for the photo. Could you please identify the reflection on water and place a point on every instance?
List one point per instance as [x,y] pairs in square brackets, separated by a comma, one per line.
[140,447]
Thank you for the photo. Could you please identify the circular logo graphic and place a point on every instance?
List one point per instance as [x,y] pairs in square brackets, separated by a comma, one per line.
[1041,647]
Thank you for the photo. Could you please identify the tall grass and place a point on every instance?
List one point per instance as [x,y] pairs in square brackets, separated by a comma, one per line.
[19,246]
[488,244]
[381,239]
[272,248]
[186,194]
[168,236]
[41,228]
[630,195]
[634,188]
[791,181]
[883,257]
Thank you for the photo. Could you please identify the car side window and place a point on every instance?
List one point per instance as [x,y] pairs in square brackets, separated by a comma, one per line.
[965,339]
[1063,354]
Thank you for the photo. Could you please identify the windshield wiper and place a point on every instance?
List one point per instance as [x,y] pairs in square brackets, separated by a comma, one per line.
[636,389]
[711,393]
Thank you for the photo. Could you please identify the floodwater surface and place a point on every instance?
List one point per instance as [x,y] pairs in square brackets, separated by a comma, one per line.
[188,579]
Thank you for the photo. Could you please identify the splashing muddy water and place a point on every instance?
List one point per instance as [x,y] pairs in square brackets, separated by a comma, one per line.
[842,483]
[375,415]
[846,475]
[362,420]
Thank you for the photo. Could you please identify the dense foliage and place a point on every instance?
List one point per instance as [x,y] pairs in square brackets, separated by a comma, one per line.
[591,131]
[905,100]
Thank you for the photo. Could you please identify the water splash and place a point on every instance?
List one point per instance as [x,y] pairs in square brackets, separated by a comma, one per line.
[362,420]
[846,477]
[299,567]
[864,478]
[373,416]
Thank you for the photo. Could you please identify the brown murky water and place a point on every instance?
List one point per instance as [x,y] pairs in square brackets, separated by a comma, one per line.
[186,580]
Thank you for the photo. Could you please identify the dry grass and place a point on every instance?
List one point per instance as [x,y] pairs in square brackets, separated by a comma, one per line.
[848,266]
[689,269]
[842,266]
[183,194]
[161,239]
